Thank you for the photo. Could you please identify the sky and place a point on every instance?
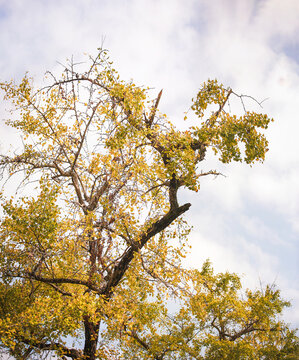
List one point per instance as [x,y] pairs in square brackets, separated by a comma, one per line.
[248,220]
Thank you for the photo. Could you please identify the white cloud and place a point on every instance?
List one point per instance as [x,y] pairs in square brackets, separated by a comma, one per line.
[278,18]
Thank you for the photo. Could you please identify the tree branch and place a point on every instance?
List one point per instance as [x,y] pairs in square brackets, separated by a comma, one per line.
[63,281]
[248,329]
[154,110]
[158,226]
[55,346]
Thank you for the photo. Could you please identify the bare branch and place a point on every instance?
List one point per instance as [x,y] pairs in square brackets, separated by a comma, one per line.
[63,281]
[62,349]
[154,110]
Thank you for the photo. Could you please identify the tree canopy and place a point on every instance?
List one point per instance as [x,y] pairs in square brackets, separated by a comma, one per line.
[92,256]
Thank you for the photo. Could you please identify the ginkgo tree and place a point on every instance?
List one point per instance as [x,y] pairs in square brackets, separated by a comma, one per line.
[92,253]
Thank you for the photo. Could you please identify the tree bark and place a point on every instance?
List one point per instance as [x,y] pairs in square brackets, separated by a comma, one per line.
[91,339]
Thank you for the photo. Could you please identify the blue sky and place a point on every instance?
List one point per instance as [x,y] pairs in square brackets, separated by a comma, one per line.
[248,221]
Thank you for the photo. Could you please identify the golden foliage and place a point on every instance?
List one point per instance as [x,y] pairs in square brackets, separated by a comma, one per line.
[98,249]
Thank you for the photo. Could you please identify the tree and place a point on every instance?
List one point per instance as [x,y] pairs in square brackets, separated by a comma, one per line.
[92,255]
[214,320]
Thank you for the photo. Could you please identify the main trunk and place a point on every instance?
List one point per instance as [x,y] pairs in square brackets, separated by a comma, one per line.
[91,339]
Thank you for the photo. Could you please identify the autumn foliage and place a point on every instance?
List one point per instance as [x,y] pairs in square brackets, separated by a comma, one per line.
[91,260]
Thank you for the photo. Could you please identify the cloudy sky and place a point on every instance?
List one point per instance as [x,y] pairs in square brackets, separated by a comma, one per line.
[248,221]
